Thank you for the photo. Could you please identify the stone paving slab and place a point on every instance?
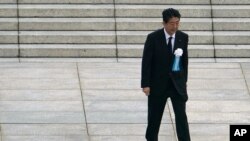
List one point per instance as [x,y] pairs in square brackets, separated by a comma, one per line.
[115,95]
[46,138]
[218,106]
[40,95]
[68,60]
[122,117]
[218,95]
[43,106]
[43,129]
[215,73]
[48,103]
[41,117]
[29,73]
[128,138]
[126,129]
[116,106]
[216,84]
[38,84]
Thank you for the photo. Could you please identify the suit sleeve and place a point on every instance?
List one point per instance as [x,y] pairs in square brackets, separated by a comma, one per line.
[185,60]
[146,62]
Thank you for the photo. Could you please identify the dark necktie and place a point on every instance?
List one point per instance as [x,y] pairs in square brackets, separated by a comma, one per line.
[169,46]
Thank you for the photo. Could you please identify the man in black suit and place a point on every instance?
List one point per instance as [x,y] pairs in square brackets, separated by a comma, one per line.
[159,81]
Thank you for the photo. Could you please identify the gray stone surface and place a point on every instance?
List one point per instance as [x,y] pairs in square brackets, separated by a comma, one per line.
[224,2]
[8,10]
[43,129]
[66,1]
[126,129]
[76,10]
[122,117]
[41,117]
[47,138]
[38,84]
[128,138]
[155,23]
[231,24]
[48,106]
[8,37]
[162,2]
[136,37]
[231,37]
[231,11]
[8,24]
[40,95]
[155,10]
[8,1]
[58,50]
[8,50]
[43,100]
[232,51]
[69,37]
[54,24]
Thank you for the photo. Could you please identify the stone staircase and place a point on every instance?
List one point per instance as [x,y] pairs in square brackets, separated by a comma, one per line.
[118,28]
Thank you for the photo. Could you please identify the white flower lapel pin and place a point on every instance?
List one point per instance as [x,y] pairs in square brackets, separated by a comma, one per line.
[178,52]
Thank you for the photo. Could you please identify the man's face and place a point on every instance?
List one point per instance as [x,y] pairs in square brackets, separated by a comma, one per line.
[172,25]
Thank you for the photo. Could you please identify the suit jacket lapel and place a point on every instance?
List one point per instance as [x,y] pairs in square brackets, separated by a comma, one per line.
[162,40]
[177,41]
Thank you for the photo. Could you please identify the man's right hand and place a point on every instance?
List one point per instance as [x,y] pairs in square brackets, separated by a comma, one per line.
[146,90]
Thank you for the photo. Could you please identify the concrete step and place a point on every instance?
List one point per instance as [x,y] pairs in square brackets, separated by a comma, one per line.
[232,37]
[99,24]
[8,1]
[123,37]
[163,2]
[196,37]
[8,50]
[141,24]
[232,50]
[232,24]
[8,24]
[71,50]
[67,37]
[8,10]
[128,50]
[67,24]
[231,11]
[139,37]
[154,23]
[109,50]
[70,10]
[109,1]
[150,11]
[8,37]
[223,2]
[65,1]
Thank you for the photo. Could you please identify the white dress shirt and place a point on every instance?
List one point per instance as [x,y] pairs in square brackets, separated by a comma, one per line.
[167,36]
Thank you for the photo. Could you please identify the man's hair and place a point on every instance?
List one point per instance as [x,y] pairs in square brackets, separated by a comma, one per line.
[170,13]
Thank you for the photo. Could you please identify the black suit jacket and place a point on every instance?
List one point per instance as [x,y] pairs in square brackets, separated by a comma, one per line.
[157,64]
